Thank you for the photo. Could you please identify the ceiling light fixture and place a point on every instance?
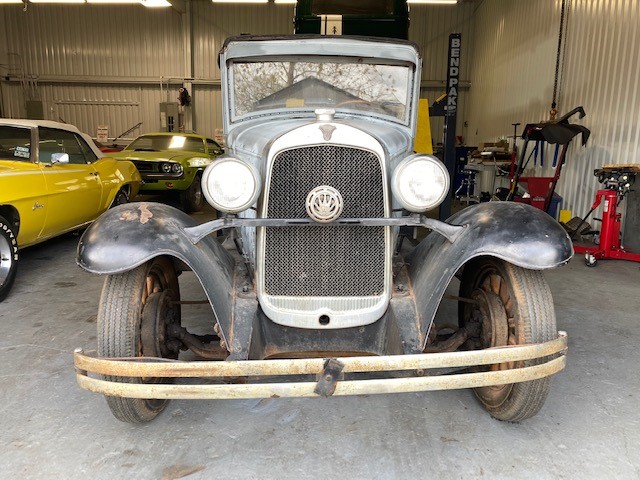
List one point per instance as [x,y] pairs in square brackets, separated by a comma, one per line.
[10,1]
[155,3]
[56,1]
[240,1]
[285,2]
[104,2]
[432,2]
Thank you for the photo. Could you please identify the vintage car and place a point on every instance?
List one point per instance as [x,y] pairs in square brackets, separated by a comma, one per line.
[53,179]
[313,292]
[173,162]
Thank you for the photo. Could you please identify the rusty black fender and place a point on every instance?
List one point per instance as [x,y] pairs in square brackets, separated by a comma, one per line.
[129,235]
[514,232]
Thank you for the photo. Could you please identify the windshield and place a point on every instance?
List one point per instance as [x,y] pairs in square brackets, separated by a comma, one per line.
[15,143]
[155,143]
[309,84]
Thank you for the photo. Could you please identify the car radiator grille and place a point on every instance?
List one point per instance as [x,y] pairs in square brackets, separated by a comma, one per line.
[325,261]
[146,166]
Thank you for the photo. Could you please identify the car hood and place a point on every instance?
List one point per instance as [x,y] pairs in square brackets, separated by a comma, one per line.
[160,156]
[254,138]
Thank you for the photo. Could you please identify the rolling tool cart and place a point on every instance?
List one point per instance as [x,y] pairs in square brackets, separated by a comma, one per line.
[617,181]
[560,133]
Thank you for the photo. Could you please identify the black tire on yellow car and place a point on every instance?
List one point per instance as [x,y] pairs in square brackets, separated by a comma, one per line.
[8,257]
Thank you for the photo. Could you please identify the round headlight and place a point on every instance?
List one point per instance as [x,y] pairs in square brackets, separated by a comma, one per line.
[420,183]
[176,168]
[165,167]
[230,185]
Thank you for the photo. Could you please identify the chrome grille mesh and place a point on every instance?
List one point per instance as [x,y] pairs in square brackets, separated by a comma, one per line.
[325,261]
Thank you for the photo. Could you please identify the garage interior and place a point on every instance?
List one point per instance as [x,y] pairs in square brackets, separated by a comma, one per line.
[109,69]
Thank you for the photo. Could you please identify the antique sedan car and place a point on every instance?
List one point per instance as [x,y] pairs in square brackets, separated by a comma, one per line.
[173,162]
[314,285]
[53,179]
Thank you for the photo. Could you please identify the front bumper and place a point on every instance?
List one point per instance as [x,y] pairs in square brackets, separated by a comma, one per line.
[543,360]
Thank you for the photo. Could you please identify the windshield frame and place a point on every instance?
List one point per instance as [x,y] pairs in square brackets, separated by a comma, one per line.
[257,47]
[322,59]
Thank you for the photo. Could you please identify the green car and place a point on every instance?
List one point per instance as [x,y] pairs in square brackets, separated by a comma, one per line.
[172,162]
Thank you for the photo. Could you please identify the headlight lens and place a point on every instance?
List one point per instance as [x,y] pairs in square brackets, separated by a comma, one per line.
[420,183]
[165,167]
[230,185]
[176,168]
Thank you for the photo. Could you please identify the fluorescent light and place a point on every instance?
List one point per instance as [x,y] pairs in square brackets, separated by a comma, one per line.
[56,1]
[286,2]
[10,1]
[433,2]
[155,3]
[240,1]
[104,2]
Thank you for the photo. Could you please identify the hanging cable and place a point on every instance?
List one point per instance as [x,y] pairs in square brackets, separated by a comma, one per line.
[554,110]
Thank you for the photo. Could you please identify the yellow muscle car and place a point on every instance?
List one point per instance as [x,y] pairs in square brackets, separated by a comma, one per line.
[53,179]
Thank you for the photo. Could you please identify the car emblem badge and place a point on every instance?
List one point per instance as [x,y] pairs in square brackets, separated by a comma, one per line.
[324,204]
[327,131]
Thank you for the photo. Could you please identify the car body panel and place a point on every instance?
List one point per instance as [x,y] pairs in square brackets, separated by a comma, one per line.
[49,199]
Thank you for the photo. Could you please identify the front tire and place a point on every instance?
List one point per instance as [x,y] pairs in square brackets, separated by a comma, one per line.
[192,199]
[135,309]
[121,198]
[513,306]
[8,257]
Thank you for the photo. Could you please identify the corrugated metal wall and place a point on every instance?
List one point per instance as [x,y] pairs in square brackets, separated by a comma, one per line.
[512,76]
[133,47]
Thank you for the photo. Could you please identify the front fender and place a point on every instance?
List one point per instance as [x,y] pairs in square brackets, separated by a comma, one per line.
[514,232]
[131,234]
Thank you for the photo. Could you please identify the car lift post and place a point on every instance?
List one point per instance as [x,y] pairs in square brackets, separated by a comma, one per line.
[451,110]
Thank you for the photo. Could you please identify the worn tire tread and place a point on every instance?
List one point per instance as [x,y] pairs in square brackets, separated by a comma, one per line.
[118,319]
[538,324]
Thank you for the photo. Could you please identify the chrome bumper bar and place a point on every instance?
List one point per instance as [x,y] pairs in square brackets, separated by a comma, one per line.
[550,358]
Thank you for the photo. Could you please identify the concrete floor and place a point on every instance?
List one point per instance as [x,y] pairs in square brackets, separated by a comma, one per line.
[589,427]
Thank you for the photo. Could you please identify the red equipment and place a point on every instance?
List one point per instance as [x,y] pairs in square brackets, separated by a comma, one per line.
[609,246]
[560,133]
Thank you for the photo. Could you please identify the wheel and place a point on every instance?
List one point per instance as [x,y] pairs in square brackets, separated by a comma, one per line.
[590,260]
[121,198]
[192,199]
[8,257]
[136,307]
[513,306]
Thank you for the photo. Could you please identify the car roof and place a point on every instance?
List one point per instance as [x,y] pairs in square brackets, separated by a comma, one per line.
[21,122]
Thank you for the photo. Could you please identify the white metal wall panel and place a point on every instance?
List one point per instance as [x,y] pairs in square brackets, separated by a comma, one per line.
[213,23]
[100,40]
[513,70]
[130,42]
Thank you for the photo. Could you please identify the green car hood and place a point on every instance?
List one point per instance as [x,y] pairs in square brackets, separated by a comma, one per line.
[159,156]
